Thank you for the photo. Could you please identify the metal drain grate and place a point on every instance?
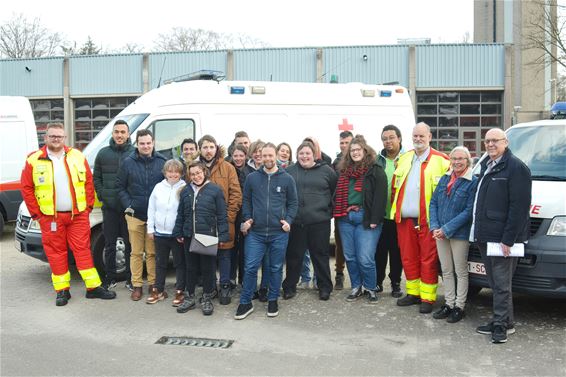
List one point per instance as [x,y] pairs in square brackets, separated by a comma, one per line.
[195,342]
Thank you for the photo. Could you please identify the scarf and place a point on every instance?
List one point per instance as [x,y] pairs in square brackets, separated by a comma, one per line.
[341,197]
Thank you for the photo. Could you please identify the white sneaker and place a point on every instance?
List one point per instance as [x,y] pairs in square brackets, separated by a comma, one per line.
[303,285]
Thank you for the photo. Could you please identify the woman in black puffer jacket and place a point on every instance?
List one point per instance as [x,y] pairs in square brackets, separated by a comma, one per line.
[203,202]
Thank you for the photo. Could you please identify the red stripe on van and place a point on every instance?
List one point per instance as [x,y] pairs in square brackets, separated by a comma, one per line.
[10,186]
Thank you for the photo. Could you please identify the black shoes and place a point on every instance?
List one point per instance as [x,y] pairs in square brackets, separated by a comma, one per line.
[206,304]
[355,294]
[63,297]
[426,307]
[188,303]
[262,295]
[289,294]
[372,297]
[225,295]
[323,295]
[456,315]
[129,286]
[409,300]
[488,329]
[272,309]
[444,312]
[243,311]
[100,292]
[396,290]
[339,282]
[499,334]
[379,288]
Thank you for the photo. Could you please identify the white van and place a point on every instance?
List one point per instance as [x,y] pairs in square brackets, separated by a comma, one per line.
[542,271]
[271,111]
[19,138]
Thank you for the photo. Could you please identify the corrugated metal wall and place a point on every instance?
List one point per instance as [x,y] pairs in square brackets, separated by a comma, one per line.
[382,64]
[460,66]
[105,74]
[437,66]
[181,63]
[283,64]
[44,78]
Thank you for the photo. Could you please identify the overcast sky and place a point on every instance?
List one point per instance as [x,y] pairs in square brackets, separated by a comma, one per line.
[289,23]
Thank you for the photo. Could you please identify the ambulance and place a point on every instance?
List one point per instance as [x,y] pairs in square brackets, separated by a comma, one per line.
[19,138]
[270,111]
[542,271]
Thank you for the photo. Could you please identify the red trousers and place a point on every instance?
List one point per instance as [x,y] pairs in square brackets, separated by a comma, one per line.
[418,252]
[71,231]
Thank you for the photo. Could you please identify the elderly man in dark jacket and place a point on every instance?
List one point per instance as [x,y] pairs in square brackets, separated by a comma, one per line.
[106,166]
[137,177]
[316,182]
[501,216]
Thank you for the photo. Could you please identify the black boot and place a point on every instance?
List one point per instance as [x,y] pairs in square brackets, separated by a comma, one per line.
[63,297]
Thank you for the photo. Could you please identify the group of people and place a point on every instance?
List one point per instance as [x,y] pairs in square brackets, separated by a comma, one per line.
[264,210]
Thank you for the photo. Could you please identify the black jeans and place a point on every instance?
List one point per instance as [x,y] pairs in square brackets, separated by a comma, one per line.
[114,226]
[315,238]
[388,247]
[203,264]
[237,263]
[164,245]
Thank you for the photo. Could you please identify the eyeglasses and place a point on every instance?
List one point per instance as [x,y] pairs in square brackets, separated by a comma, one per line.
[356,150]
[458,159]
[55,137]
[492,141]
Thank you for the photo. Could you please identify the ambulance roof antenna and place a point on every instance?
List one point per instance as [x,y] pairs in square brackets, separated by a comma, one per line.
[161,74]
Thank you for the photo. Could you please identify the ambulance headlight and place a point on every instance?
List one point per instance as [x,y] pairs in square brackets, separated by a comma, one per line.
[557,227]
[34,225]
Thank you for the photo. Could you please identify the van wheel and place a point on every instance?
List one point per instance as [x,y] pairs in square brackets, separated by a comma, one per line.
[1,224]
[98,255]
[473,291]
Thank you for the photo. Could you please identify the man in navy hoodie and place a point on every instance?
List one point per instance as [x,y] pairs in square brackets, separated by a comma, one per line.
[269,207]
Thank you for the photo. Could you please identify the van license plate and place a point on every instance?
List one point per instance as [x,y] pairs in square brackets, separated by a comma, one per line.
[476,268]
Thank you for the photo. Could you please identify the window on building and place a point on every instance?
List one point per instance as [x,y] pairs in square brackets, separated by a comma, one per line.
[460,118]
[92,114]
[46,111]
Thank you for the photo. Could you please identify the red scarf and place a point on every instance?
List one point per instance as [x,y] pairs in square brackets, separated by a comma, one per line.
[341,197]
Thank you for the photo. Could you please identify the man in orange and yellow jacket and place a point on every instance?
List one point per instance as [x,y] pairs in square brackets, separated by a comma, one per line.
[416,176]
[58,190]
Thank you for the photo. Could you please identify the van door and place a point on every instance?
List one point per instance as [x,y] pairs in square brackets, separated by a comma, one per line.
[169,132]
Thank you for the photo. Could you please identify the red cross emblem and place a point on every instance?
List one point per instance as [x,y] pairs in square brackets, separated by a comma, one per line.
[345,126]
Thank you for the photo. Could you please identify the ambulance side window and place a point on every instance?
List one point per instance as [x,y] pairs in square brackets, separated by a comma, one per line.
[168,134]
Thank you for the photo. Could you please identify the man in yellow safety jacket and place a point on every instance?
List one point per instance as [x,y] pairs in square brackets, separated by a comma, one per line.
[416,176]
[58,190]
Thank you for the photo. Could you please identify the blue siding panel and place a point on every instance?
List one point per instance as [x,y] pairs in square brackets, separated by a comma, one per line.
[176,64]
[106,74]
[383,64]
[460,66]
[282,64]
[44,80]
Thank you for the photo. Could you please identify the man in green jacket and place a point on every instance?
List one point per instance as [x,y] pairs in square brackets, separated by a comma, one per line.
[106,165]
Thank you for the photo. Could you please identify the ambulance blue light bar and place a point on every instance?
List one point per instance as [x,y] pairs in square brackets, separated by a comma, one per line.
[385,93]
[237,90]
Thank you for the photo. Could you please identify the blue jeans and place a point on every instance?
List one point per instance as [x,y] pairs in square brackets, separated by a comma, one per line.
[256,246]
[264,272]
[224,258]
[306,270]
[359,245]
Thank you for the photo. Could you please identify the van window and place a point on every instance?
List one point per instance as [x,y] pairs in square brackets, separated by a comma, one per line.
[542,148]
[169,133]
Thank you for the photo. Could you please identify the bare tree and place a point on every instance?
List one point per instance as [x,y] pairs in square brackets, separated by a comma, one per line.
[22,38]
[132,48]
[546,33]
[187,39]
[561,88]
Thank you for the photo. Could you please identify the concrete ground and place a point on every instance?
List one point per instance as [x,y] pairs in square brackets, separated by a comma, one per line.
[309,337]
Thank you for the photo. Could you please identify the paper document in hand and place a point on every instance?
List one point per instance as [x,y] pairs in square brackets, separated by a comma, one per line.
[494,250]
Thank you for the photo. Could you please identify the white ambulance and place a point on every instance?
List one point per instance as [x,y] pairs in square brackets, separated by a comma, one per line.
[271,111]
[542,271]
[19,138]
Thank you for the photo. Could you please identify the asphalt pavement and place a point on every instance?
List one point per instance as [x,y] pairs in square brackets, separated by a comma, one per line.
[309,337]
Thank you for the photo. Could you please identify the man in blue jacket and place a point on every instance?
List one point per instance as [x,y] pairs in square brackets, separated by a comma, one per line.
[501,217]
[138,175]
[269,207]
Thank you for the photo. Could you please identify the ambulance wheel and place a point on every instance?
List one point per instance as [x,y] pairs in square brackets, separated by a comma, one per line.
[1,224]
[98,255]
[473,291]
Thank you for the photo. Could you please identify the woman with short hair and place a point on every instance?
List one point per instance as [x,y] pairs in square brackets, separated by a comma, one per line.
[450,221]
